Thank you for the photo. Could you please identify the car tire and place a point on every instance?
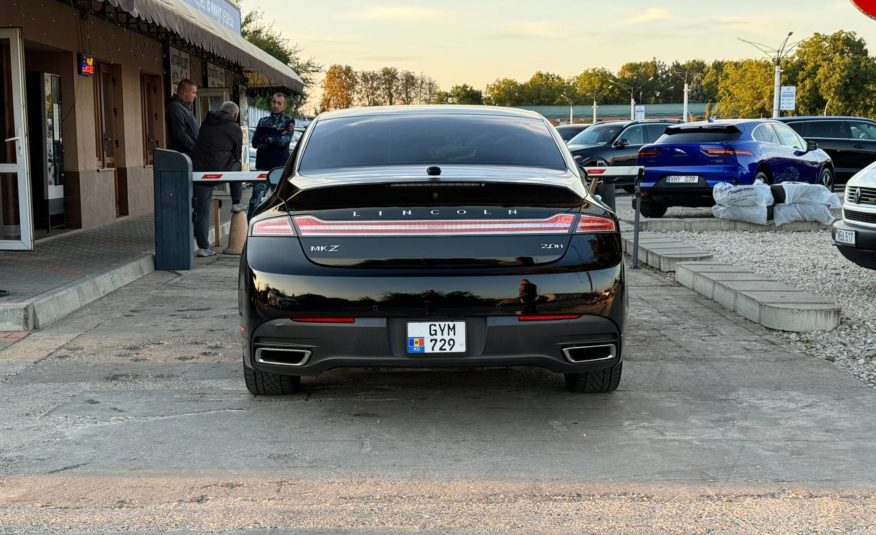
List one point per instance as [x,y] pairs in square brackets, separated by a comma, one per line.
[598,382]
[825,178]
[762,175]
[261,383]
[653,209]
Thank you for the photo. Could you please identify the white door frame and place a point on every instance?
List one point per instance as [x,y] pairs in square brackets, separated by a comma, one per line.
[21,167]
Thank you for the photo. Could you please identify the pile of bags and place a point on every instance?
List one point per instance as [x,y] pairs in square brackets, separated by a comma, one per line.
[781,203]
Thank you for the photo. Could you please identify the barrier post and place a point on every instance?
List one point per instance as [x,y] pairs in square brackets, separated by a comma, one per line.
[174,239]
[637,196]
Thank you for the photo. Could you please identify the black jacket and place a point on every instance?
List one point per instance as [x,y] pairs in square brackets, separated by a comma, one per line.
[272,137]
[219,144]
[182,127]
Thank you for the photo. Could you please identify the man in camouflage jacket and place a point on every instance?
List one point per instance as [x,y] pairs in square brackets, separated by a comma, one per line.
[271,141]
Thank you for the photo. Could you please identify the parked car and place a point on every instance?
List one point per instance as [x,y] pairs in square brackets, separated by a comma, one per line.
[568,131]
[431,237]
[615,143]
[683,166]
[855,234]
[849,141]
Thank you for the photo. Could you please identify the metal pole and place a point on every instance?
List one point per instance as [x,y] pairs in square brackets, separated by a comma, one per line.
[571,113]
[594,111]
[637,195]
[632,106]
[777,85]
[684,116]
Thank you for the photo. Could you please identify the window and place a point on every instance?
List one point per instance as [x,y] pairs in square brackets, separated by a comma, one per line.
[106,107]
[691,135]
[766,134]
[789,137]
[596,135]
[634,135]
[862,130]
[653,132]
[823,129]
[150,87]
[431,139]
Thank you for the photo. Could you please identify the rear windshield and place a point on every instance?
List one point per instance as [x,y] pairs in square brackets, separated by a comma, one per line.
[698,136]
[370,141]
[597,135]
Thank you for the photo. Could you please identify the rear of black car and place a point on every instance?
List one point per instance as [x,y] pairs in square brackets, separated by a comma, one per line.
[429,238]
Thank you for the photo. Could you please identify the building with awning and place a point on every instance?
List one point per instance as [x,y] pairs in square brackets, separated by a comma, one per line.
[83,86]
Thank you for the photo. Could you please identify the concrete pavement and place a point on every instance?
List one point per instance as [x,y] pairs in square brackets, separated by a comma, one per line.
[131,414]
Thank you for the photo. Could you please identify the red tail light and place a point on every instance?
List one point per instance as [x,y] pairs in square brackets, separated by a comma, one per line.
[324,320]
[549,317]
[589,224]
[649,153]
[723,151]
[278,226]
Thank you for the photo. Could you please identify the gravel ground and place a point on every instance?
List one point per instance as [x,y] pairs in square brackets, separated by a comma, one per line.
[809,260]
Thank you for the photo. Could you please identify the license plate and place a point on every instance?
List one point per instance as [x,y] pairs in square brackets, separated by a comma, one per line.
[683,179]
[436,337]
[845,237]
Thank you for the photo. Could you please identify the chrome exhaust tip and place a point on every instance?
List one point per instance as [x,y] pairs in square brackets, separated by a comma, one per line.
[590,353]
[282,356]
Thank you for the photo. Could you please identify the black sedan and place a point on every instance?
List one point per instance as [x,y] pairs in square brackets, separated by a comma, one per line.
[428,237]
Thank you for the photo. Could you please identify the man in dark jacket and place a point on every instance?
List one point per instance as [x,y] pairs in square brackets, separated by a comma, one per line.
[271,139]
[182,127]
[218,149]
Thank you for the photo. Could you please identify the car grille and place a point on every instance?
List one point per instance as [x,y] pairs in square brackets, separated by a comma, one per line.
[863,217]
[859,195]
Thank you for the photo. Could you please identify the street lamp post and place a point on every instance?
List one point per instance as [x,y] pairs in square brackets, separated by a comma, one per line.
[571,108]
[776,56]
[632,97]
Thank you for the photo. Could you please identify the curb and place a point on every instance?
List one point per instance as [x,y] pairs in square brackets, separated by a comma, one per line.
[709,224]
[663,252]
[772,304]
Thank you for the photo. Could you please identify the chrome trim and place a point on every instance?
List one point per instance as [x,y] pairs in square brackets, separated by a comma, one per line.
[612,355]
[260,360]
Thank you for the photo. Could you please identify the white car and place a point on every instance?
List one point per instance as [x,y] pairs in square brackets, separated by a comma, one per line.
[855,234]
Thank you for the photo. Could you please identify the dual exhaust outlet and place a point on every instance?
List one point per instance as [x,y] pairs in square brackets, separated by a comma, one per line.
[590,353]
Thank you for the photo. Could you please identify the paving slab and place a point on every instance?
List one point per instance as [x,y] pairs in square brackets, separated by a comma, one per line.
[664,252]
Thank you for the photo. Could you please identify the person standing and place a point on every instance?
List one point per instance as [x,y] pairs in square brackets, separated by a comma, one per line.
[271,140]
[182,127]
[217,149]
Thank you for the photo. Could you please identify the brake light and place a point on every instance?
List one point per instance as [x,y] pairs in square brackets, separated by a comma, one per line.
[549,317]
[277,226]
[727,152]
[324,320]
[589,224]
[649,153]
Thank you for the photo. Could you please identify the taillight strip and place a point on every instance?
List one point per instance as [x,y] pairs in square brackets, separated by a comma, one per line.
[278,226]
[309,226]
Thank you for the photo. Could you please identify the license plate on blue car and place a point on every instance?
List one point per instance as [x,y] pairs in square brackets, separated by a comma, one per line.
[682,179]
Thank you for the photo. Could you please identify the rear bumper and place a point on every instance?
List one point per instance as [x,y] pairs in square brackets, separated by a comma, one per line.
[655,185]
[863,252]
[490,341]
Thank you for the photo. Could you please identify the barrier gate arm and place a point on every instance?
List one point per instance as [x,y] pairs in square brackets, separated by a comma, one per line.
[222,177]
[620,176]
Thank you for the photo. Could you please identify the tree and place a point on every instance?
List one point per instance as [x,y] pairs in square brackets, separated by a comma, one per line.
[646,78]
[746,89]
[338,88]
[368,89]
[388,84]
[834,75]
[262,34]
[408,88]
[428,89]
[460,94]
[505,92]
[594,84]
[546,88]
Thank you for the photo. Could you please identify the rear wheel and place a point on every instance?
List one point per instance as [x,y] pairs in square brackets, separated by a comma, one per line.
[763,176]
[825,178]
[600,381]
[261,383]
[653,209]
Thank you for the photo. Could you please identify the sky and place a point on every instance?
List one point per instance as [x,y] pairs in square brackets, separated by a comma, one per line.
[479,41]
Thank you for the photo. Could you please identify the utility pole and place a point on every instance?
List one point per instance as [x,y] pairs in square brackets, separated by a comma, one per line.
[571,108]
[594,109]
[776,56]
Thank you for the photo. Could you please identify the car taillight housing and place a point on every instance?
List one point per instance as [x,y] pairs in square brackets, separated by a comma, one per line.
[727,151]
[649,153]
[276,226]
[589,224]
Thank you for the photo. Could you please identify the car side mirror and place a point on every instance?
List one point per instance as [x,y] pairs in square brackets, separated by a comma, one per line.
[275,175]
[811,146]
[621,143]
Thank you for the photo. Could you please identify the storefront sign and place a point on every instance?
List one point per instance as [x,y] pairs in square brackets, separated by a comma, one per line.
[868,7]
[215,76]
[180,67]
[221,11]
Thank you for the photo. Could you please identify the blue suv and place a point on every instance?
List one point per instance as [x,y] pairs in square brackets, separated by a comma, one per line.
[683,166]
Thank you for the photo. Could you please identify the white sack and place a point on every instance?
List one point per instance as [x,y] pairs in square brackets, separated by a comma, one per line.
[726,194]
[796,192]
[787,213]
[748,214]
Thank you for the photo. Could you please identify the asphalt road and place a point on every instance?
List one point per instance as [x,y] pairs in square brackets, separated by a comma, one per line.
[131,415]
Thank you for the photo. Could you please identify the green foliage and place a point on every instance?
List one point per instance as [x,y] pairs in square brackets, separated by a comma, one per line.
[746,89]
[462,94]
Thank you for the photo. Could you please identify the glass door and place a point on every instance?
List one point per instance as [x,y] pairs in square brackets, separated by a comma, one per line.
[16,220]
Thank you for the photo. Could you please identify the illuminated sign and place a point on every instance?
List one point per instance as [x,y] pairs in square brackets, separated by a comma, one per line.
[86,65]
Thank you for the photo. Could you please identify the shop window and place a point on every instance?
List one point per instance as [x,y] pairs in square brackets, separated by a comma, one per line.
[150,86]
[106,110]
